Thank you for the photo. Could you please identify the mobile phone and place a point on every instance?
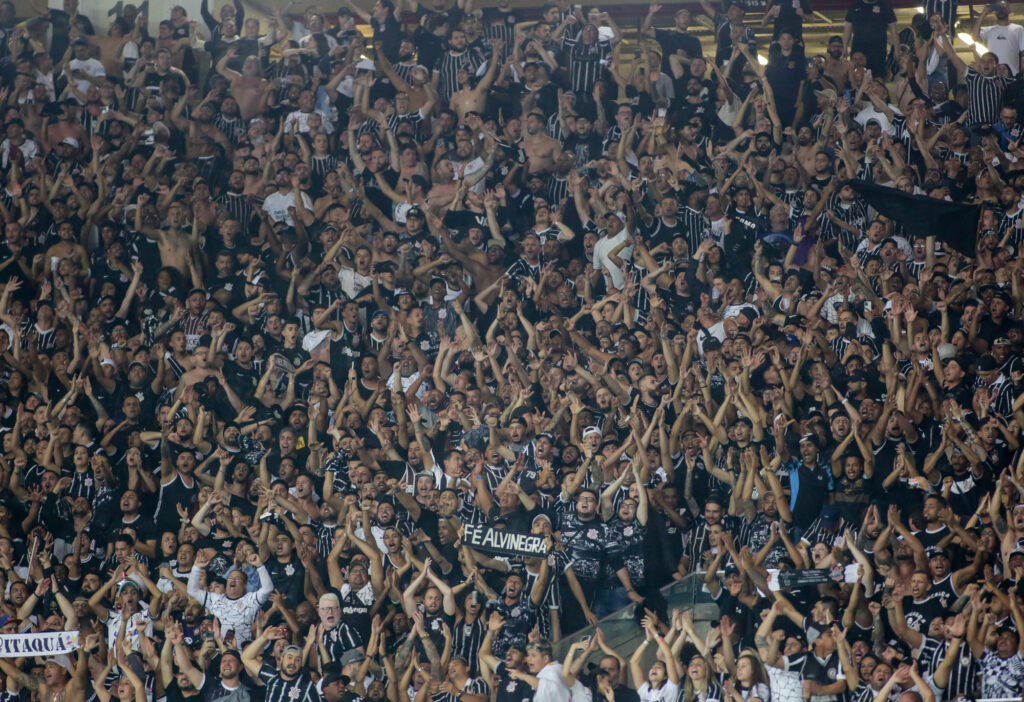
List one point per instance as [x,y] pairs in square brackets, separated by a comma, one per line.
[585,639]
[993,6]
[208,636]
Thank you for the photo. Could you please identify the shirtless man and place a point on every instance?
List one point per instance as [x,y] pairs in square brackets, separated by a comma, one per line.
[837,68]
[443,182]
[65,127]
[469,98]
[807,148]
[110,47]
[248,88]
[64,679]
[67,247]
[484,266]
[540,149]
[174,243]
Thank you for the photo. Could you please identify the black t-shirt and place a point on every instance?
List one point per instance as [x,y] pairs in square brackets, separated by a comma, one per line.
[509,690]
[213,689]
[990,329]
[289,578]
[742,233]
[173,693]
[452,15]
[389,34]
[672,40]
[918,614]
[870,22]
[242,380]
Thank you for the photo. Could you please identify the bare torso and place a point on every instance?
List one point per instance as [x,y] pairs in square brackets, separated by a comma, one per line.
[467,100]
[174,245]
[838,71]
[59,131]
[806,155]
[540,151]
[248,93]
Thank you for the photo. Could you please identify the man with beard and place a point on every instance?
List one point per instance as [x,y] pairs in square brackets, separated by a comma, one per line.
[696,107]
[226,684]
[541,150]
[365,577]
[507,688]
[280,205]
[517,609]
[471,169]
[677,41]
[583,140]
[290,683]
[584,537]
[846,220]
[742,224]
[807,148]
[763,146]
[665,225]
[837,68]
[234,200]
[229,121]
[458,58]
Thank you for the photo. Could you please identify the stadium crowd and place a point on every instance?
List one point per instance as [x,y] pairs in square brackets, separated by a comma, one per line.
[291,313]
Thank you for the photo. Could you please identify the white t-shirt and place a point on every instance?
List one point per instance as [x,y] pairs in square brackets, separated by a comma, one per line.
[352,282]
[471,167]
[869,113]
[276,205]
[90,66]
[602,262]
[665,693]
[114,625]
[1005,42]
[551,687]
[301,120]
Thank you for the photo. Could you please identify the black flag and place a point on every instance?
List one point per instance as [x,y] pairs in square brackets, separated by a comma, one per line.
[950,222]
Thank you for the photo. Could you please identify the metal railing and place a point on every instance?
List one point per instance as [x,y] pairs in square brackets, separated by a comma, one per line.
[621,631]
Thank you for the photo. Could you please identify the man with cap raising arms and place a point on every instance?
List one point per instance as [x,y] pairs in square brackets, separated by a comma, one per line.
[289,684]
[810,478]
[64,681]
